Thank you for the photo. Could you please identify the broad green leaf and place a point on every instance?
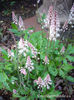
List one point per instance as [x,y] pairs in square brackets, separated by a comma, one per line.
[53,94]
[1,85]
[59,59]
[12,79]
[40,68]
[70,78]
[70,49]
[43,16]
[5,53]
[14,26]
[3,77]
[8,67]
[16,95]
[70,58]
[67,67]
[56,44]
[16,32]
[32,76]
[62,73]
[45,74]
[5,84]
[23,98]
[52,70]
[65,61]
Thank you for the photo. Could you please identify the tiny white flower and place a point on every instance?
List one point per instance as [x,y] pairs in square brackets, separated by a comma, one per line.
[38,1]
[29,64]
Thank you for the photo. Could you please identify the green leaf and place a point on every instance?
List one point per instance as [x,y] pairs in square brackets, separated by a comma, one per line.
[33,95]
[14,26]
[65,61]
[5,53]
[54,94]
[1,85]
[23,98]
[62,73]
[5,84]
[70,49]
[26,91]
[42,55]
[16,32]
[13,79]
[32,76]
[45,74]
[31,28]
[52,70]
[12,3]
[16,95]
[40,68]
[36,39]
[59,59]
[3,77]
[56,44]
[70,58]
[43,16]
[67,67]
[70,78]
[8,67]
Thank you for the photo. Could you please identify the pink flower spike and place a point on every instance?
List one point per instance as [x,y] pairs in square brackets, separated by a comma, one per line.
[39,80]
[48,79]
[54,27]
[46,60]
[63,49]
[44,83]
[23,71]
[29,64]
[35,81]
[21,23]
[65,26]
[21,43]
[10,53]
[50,14]
[14,18]
[28,60]
[14,91]
[71,15]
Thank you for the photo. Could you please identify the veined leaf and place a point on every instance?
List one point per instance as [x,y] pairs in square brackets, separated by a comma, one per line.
[70,58]
[3,77]
[1,85]
[5,84]
[70,78]
[40,68]
[67,67]
[16,32]
[52,70]
[23,98]
[70,49]
[62,73]
[14,26]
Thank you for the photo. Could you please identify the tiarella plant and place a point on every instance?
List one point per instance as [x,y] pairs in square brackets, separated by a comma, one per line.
[29,70]
[52,24]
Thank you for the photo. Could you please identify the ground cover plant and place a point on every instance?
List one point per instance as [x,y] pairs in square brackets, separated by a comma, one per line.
[29,70]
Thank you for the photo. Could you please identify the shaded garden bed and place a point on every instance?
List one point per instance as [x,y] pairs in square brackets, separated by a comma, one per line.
[66,87]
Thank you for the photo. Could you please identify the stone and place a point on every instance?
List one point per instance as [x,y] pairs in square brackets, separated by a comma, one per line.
[1,98]
[62,6]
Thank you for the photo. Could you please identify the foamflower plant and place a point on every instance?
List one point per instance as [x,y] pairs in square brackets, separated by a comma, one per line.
[29,70]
